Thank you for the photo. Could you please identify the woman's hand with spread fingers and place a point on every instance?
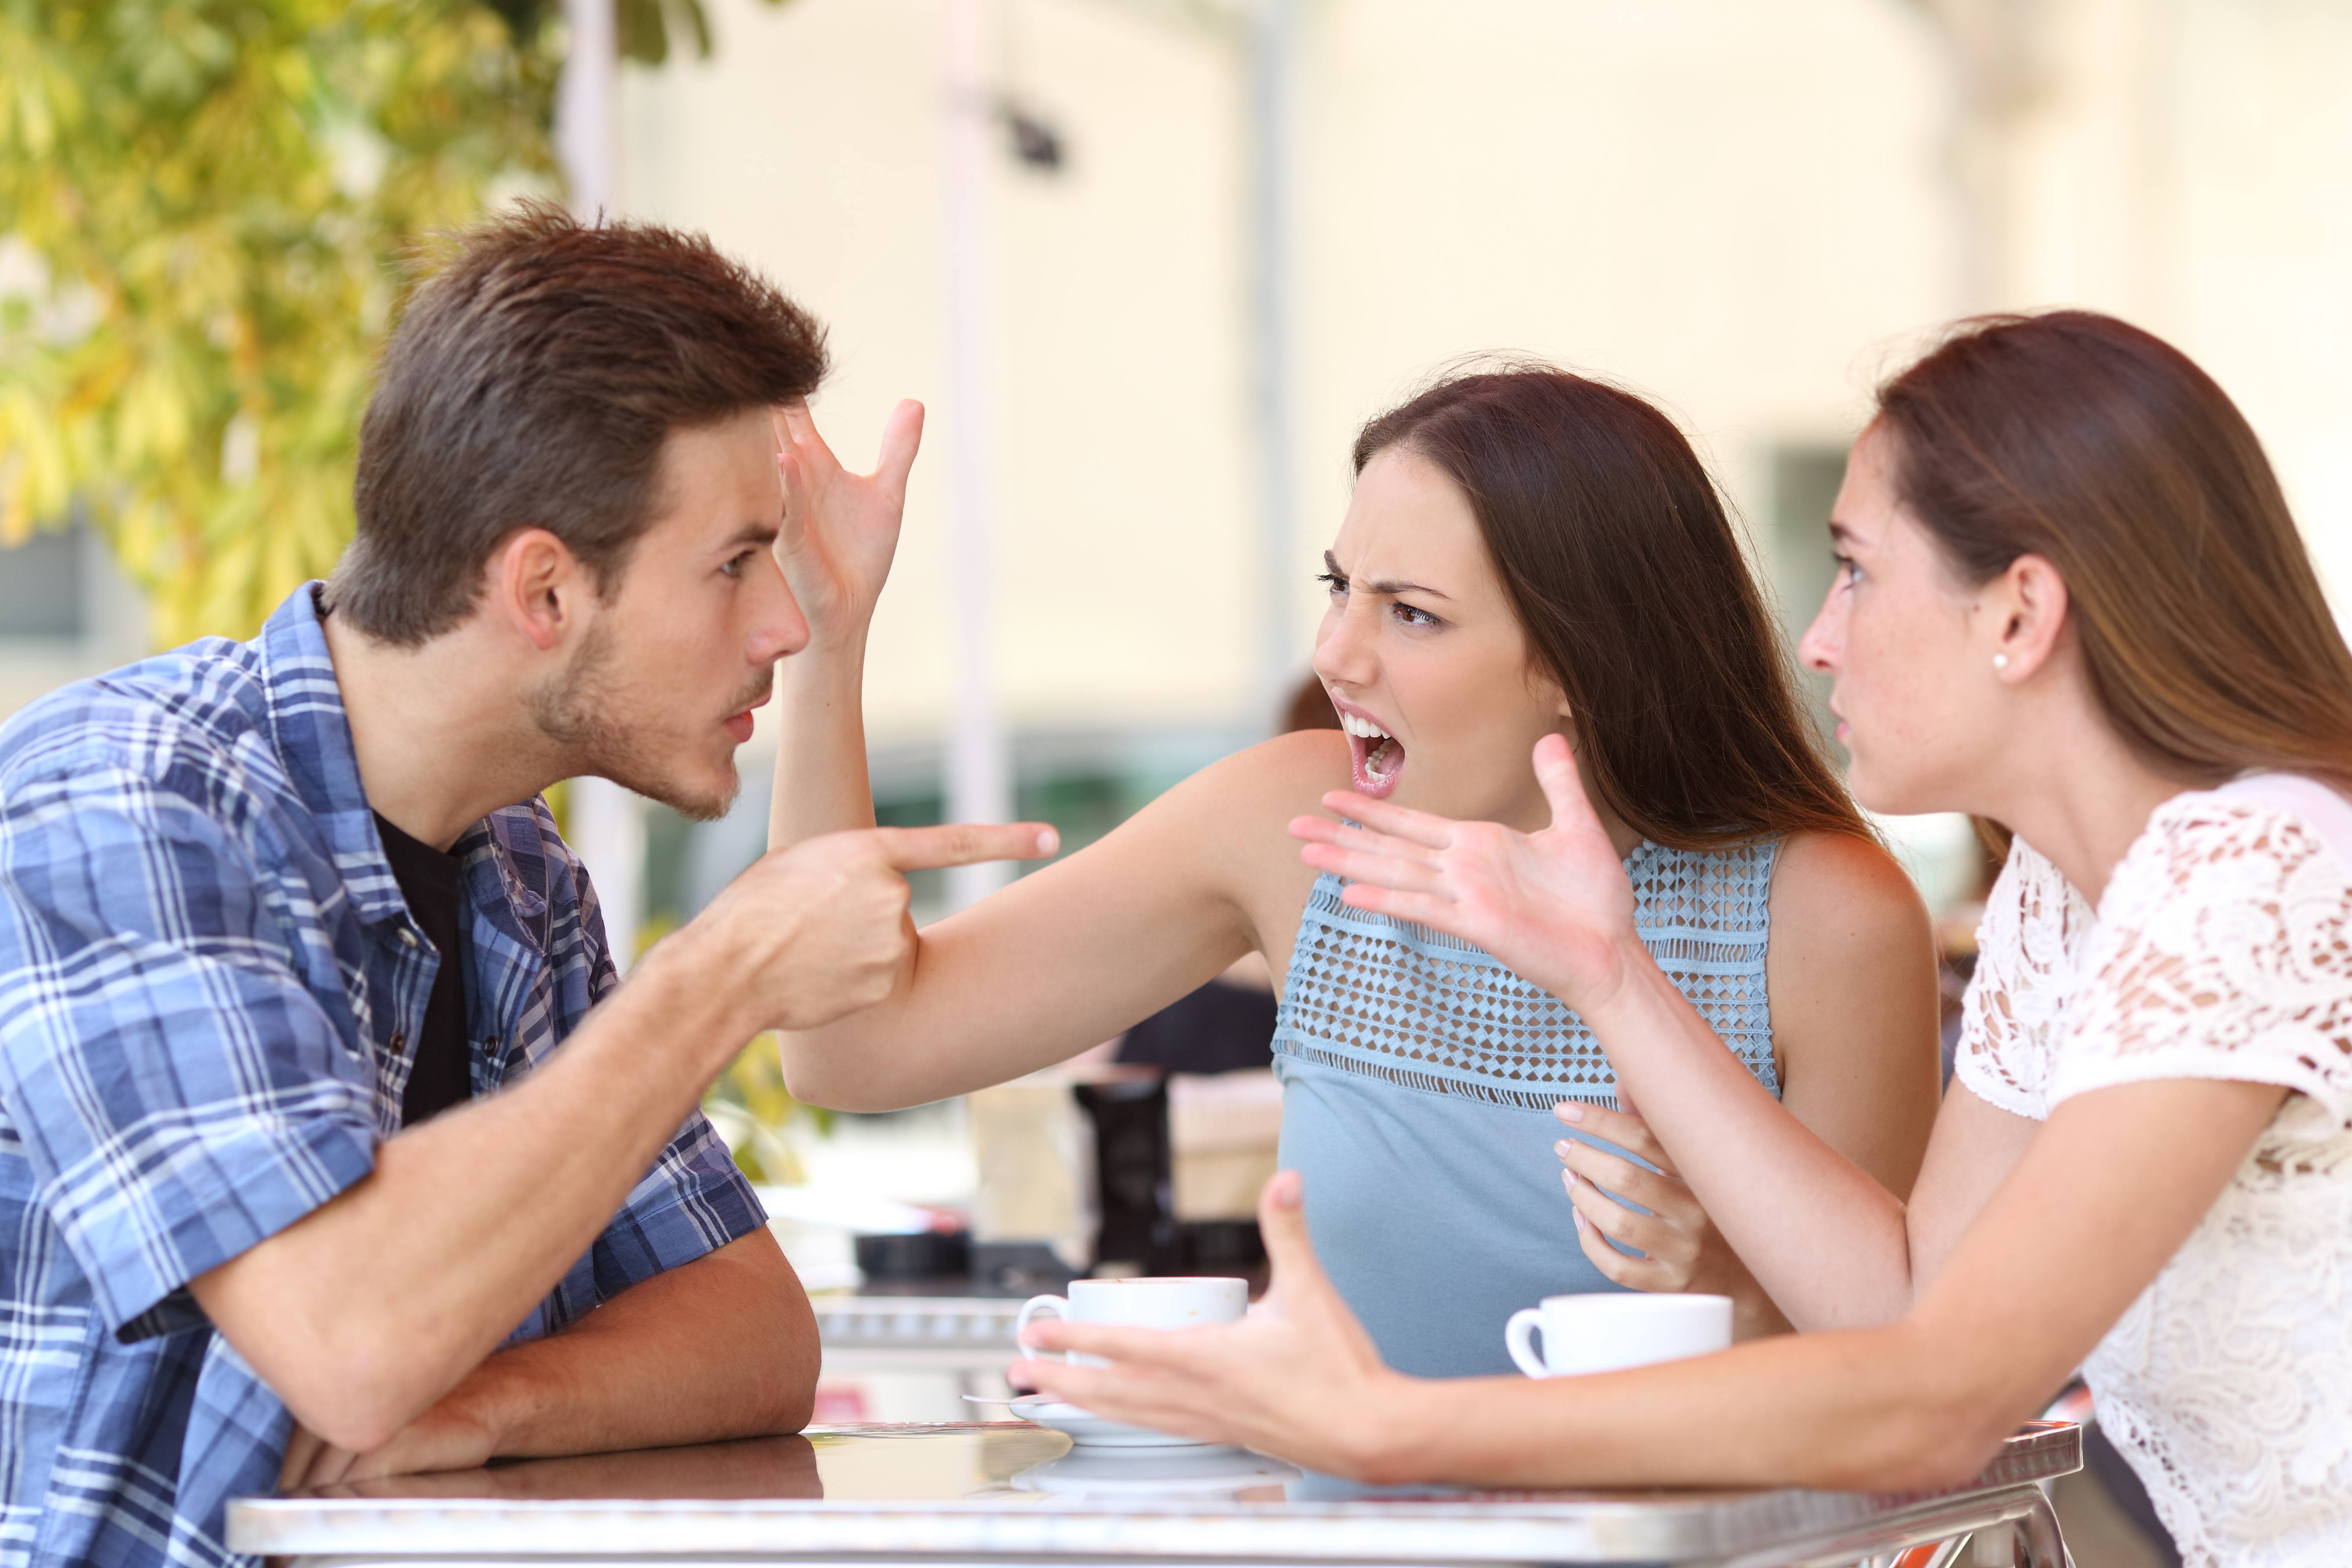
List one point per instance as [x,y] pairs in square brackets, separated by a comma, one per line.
[1270,1382]
[840,529]
[1682,1252]
[1554,905]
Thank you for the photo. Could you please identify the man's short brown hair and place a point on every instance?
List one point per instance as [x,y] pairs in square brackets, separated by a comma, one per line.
[531,383]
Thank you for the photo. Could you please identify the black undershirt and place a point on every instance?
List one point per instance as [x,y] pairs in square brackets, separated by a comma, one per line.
[443,1074]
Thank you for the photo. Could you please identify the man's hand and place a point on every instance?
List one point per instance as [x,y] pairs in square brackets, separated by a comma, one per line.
[821,929]
[455,1435]
[840,528]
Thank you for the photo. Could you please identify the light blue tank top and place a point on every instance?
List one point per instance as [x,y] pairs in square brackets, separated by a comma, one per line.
[1418,1076]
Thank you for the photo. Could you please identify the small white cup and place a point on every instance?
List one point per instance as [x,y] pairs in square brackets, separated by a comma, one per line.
[1162,1303]
[1606,1331]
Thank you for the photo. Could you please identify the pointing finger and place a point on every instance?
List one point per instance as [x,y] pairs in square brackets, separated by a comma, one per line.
[965,844]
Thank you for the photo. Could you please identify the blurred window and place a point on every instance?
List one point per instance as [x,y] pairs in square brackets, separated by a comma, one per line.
[41,588]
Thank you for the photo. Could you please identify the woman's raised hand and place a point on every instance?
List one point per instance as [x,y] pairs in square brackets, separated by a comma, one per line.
[840,528]
[1553,905]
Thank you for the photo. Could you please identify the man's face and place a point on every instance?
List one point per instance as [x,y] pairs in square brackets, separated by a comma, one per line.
[660,691]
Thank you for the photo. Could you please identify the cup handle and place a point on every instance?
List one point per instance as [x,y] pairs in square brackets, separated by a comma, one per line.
[1059,1305]
[1517,1339]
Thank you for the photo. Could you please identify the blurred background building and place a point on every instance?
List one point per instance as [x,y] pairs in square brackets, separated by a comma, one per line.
[1203,239]
[1217,236]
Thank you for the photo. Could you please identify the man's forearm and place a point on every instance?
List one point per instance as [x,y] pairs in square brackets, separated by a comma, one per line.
[821,779]
[722,1347]
[370,1308]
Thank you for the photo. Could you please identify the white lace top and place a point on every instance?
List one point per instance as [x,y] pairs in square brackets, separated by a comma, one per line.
[2222,949]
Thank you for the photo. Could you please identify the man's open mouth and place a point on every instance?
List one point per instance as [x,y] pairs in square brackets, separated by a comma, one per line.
[1378,757]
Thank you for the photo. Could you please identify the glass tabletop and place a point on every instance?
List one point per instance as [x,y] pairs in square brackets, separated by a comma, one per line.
[994,1493]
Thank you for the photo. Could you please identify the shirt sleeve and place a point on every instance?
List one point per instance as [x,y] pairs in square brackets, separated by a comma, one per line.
[2224,952]
[2003,1053]
[180,1093]
[693,1202]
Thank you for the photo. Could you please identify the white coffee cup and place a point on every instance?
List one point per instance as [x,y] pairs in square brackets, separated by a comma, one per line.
[1147,1303]
[1608,1330]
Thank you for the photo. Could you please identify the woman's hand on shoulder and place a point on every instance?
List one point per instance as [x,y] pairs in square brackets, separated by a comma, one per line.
[1682,1252]
[1554,905]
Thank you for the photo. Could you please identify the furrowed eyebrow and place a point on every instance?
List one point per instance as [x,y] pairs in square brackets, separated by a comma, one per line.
[1386,587]
[753,533]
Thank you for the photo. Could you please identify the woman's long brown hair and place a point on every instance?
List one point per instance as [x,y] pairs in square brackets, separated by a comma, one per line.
[1635,598]
[2104,450]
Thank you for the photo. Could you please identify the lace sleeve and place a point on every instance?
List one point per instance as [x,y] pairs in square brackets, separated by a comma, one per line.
[2224,951]
[2035,926]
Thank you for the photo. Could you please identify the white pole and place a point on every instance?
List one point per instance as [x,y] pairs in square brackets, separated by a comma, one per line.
[979,761]
[1273,121]
[584,104]
[607,823]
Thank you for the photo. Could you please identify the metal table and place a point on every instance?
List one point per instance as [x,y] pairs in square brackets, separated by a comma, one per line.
[861,1497]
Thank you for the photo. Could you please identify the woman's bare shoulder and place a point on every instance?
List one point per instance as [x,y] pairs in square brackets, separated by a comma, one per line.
[1273,781]
[1232,819]
[1843,899]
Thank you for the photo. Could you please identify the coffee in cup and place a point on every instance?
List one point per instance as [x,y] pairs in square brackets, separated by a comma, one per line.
[1609,1330]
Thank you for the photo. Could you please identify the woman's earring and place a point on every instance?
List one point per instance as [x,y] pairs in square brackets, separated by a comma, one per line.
[2000,661]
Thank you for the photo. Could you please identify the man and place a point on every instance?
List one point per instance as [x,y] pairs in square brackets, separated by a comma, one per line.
[314,1079]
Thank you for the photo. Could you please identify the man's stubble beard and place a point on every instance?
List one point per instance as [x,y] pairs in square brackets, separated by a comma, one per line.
[581,711]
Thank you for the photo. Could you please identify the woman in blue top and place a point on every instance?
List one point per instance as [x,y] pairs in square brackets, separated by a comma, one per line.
[1526,552]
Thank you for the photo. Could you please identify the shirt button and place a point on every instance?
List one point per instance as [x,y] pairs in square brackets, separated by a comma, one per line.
[399,1041]
[408,936]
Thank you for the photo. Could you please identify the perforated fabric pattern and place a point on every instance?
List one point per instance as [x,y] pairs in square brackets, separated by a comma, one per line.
[1418,1009]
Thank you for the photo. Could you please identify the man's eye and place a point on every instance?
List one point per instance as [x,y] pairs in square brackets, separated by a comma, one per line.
[734,567]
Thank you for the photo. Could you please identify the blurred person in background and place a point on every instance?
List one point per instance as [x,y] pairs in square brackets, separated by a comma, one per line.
[2072,600]
[329,1146]
[1527,552]
[1228,1023]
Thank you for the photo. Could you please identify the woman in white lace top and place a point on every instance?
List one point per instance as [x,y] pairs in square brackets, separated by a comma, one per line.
[2072,600]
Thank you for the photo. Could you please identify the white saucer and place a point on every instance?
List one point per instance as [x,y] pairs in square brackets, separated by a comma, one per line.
[1139,1472]
[1087,1430]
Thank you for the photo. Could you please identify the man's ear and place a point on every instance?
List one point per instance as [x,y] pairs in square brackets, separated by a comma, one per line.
[2026,610]
[536,586]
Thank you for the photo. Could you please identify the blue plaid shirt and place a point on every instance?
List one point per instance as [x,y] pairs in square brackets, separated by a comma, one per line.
[208,979]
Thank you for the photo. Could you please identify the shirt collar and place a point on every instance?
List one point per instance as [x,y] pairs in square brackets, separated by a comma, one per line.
[313,737]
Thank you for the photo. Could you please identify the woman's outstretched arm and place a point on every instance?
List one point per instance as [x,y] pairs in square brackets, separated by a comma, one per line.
[1062,960]
[2111,1186]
